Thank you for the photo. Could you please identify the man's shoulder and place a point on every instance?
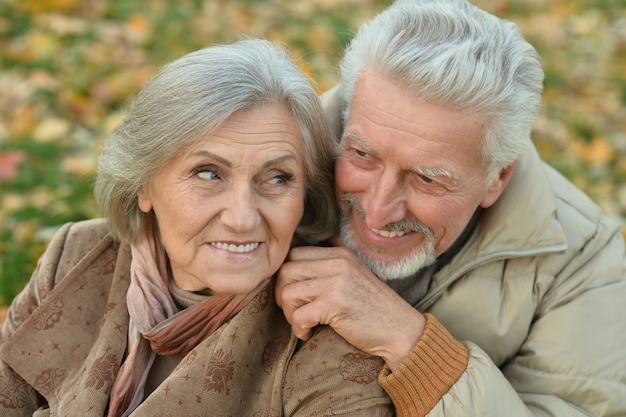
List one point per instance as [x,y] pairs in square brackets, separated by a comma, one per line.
[575,209]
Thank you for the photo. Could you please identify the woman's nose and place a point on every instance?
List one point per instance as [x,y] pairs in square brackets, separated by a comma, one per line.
[240,213]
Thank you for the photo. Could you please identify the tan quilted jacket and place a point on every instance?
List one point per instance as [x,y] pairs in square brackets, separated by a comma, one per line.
[537,296]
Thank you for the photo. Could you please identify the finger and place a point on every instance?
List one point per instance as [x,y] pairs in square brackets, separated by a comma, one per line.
[304,320]
[298,314]
[293,272]
[293,289]
[309,253]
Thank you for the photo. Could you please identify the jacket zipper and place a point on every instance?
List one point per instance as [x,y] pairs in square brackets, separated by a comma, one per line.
[432,296]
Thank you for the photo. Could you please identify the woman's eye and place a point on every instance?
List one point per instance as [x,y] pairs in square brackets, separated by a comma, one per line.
[207,174]
[281,179]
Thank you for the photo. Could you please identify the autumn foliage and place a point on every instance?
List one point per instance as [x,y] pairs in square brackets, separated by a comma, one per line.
[69,69]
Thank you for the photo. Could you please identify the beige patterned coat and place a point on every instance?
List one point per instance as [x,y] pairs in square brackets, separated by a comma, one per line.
[65,336]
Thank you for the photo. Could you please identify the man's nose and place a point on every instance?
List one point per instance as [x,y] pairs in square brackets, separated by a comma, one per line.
[384,201]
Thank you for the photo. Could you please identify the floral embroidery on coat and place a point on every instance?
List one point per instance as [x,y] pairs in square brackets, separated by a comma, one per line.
[51,380]
[48,316]
[103,371]
[14,392]
[359,367]
[272,354]
[220,371]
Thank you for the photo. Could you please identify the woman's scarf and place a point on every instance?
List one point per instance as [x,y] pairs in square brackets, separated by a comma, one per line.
[157,326]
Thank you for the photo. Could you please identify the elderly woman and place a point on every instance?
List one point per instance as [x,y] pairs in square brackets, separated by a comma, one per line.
[166,308]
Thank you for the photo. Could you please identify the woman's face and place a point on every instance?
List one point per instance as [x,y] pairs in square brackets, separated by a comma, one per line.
[227,206]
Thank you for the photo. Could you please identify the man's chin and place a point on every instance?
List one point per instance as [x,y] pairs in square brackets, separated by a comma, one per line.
[390,270]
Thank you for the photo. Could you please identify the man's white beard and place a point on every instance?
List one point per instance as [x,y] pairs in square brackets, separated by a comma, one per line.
[416,260]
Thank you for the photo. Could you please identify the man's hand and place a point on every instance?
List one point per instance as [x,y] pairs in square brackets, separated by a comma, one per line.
[332,286]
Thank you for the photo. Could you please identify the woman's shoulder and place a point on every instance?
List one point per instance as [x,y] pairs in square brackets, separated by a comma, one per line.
[328,370]
[91,229]
[79,243]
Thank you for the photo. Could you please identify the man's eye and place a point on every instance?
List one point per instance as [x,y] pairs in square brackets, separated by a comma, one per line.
[426,179]
[361,153]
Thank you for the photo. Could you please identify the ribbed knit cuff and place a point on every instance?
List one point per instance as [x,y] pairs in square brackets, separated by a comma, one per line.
[436,362]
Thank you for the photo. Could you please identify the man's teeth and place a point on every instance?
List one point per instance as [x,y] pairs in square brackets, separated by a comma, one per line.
[388,233]
[249,247]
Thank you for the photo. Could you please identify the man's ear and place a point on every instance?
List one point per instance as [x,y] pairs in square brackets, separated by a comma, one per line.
[497,186]
[143,199]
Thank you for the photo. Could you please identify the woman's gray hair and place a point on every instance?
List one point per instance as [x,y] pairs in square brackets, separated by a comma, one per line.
[188,99]
[452,53]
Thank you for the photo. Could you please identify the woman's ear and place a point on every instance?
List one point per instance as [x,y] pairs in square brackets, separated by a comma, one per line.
[497,186]
[143,199]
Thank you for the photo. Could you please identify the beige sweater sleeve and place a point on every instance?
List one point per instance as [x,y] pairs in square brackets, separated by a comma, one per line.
[436,362]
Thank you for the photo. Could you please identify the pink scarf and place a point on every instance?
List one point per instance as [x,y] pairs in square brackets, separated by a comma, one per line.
[156,324]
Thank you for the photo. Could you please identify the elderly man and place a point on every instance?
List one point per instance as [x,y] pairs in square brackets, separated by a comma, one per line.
[496,287]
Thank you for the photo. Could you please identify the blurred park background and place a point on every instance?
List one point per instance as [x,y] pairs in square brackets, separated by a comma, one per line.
[69,69]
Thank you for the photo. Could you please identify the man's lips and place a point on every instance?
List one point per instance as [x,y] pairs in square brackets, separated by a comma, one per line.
[388,233]
[382,240]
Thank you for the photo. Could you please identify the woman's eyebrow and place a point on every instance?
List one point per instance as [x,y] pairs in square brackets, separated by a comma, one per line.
[280,159]
[216,157]
[205,153]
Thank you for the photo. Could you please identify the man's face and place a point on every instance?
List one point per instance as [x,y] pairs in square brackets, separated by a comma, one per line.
[409,177]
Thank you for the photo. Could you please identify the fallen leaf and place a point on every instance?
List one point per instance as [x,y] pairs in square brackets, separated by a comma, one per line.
[10,161]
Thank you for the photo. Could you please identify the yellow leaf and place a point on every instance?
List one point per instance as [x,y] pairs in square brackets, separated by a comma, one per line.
[51,129]
[139,28]
[597,152]
[39,6]
[600,152]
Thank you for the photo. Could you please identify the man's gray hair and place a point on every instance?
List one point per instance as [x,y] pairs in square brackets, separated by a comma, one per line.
[452,53]
[187,100]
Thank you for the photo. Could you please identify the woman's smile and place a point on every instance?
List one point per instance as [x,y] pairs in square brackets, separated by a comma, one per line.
[234,247]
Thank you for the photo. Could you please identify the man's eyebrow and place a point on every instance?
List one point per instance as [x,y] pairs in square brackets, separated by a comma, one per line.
[354,138]
[434,172]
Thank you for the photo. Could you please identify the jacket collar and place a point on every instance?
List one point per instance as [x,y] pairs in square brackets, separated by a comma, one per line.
[524,219]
